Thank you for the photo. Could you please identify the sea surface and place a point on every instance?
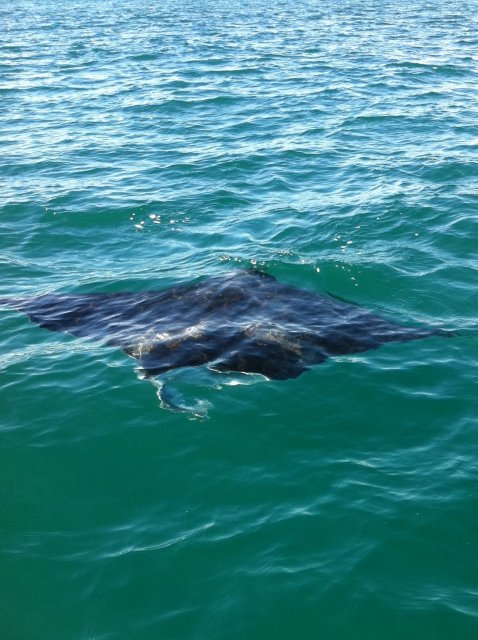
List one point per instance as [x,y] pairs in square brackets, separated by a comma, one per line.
[332,144]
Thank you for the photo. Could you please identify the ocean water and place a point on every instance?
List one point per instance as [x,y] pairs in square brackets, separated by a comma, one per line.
[334,145]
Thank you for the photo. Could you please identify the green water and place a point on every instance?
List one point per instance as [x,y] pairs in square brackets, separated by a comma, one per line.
[333,144]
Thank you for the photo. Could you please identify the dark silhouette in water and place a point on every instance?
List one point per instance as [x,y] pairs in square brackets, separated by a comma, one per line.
[246,321]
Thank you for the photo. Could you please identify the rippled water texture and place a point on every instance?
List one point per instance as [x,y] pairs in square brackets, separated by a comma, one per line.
[332,144]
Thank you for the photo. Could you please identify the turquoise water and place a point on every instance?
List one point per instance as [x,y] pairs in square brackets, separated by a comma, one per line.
[333,144]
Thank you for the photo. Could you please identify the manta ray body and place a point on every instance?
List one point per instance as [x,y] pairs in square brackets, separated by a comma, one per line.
[245,322]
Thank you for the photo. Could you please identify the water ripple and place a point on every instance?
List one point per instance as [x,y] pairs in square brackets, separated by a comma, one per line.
[332,144]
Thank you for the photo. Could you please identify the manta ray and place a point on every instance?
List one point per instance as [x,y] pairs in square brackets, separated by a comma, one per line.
[246,322]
